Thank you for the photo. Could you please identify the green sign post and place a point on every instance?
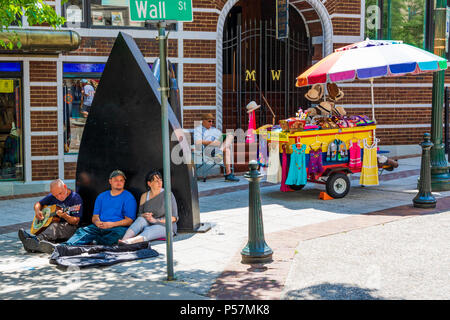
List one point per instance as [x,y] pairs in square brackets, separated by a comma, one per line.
[161,12]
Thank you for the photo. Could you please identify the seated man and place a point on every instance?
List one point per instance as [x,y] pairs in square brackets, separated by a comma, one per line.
[209,138]
[114,211]
[61,230]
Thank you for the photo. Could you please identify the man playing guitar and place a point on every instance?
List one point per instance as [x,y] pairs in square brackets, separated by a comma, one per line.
[65,224]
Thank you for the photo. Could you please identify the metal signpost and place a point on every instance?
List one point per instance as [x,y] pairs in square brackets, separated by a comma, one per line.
[161,12]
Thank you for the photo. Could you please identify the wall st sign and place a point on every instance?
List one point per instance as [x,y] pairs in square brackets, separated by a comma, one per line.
[161,10]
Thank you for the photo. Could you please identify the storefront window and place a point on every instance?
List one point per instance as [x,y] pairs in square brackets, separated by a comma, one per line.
[79,86]
[103,13]
[396,20]
[75,12]
[11,150]
[112,13]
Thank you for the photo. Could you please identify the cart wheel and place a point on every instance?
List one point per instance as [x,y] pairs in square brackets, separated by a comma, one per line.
[296,187]
[338,185]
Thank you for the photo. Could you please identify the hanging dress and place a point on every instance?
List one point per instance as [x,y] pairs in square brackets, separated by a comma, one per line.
[262,151]
[297,168]
[355,155]
[251,135]
[369,171]
[315,161]
[284,168]
[274,169]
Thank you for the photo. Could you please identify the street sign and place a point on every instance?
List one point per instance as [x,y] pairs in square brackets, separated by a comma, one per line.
[161,10]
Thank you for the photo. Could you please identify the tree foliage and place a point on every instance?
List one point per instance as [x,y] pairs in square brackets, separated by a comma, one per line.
[36,11]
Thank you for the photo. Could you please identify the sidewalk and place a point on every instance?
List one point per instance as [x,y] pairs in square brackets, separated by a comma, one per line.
[337,249]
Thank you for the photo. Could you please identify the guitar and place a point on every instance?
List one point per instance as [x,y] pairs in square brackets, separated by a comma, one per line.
[49,212]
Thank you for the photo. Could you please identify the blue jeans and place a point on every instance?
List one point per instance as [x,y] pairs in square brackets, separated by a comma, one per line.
[141,227]
[88,234]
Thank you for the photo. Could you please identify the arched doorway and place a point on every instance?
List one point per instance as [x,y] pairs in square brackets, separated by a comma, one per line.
[258,66]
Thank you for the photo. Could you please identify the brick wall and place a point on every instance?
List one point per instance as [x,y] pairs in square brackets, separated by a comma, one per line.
[199,48]
[44,169]
[70,170]
[199,96]
[43,96]
[43,71]
[199,72]
[44,120]
[101,46]
[346,26]
[203,21]
[44,145]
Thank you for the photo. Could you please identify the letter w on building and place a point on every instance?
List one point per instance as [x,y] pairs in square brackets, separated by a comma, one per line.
[276,74]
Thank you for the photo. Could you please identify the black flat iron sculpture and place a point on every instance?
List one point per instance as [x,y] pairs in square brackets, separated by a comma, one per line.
[123,131]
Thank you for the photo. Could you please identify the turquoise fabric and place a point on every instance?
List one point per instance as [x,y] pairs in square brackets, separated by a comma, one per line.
[297,167]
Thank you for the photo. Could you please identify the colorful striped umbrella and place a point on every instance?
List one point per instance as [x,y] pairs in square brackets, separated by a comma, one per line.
[371,59]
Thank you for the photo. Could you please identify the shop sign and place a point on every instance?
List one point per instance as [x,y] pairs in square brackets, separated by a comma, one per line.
[6,86]
[282,9]
[161,10]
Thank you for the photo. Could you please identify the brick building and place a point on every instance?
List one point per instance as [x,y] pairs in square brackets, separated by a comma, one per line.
[214,75]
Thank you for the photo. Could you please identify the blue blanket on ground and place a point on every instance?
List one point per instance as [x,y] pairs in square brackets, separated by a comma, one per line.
[99,255]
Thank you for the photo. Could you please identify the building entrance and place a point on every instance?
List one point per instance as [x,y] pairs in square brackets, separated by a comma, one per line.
[258,66]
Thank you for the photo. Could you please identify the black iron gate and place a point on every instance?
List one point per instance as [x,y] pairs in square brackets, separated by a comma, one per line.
[256,65]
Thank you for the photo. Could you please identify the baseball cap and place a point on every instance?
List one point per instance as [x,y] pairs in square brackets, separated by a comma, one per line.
[84,81]
[116,173]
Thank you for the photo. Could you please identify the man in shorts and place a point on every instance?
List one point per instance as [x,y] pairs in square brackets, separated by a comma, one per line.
[87,95]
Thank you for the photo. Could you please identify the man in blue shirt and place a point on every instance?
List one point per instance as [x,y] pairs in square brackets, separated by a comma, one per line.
[69,217]
[114,211]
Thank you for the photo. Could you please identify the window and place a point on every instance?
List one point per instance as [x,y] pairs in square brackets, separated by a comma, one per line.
[396,20]
[80,81]
[103,14]
[75,13]
[11,139]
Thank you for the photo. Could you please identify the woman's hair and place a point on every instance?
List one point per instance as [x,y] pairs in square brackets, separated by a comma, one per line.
[151,175]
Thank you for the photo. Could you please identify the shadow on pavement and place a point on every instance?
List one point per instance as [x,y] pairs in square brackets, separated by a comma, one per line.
[333,291]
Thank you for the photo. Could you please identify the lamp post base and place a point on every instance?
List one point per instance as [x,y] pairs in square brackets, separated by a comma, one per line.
[265,258]
[440,182]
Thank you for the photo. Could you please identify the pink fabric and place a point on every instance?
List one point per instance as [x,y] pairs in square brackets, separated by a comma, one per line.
[355,155]
[251,136]
[284,173]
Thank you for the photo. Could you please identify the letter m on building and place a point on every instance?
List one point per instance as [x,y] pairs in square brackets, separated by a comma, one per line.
[250,75]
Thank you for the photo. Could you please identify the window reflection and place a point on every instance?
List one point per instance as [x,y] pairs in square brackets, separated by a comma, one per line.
[78,95]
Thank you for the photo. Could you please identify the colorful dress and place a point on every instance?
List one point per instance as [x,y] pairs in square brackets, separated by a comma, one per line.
[369,171]
[251,135]
[262,151]
[355,155]
[297,168]
[284,168]
[315,161]
[274,169]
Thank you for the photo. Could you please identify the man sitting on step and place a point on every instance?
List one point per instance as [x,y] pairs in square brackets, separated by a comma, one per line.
[208,140]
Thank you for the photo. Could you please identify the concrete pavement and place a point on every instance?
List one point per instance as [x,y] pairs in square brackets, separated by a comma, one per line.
[369,245]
